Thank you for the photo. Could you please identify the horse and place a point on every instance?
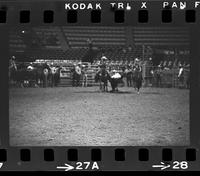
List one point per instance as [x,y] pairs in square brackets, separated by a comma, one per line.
[137,78]
[102,76]
[27,77]
[17,74]
[40,75]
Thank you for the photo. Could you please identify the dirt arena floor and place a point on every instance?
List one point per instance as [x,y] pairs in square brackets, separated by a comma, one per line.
[66,116]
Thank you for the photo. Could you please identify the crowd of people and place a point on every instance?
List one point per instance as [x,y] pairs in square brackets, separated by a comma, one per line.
[153,75]
[115,73]
[45,75]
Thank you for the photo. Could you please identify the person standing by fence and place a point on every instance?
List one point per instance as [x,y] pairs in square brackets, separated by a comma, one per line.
[84,76]
[52,75]
[77,74]
[181,76]
[45,82]
[12,69]
[158,77]
[128,73]
[73,75]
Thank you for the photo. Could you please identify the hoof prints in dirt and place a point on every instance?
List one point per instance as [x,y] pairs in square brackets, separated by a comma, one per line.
[84,116]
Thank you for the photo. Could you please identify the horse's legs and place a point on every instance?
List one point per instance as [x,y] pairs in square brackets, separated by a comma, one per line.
[99,85]
[138,91]
[138,88]
[103,87]
[86,81]
[107,87]
[83,82]
[135,86]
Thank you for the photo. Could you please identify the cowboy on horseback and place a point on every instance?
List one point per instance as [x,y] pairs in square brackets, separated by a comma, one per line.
[103,62]
[102,75]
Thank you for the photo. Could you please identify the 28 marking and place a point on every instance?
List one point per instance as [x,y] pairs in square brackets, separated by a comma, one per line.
[180,165]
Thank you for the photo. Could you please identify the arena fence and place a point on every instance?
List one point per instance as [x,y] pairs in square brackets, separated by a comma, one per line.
[166,77]
[153,76]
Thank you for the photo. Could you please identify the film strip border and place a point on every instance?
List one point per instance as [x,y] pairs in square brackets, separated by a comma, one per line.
[109,13]
[119,16]
[111,158]
[100,158]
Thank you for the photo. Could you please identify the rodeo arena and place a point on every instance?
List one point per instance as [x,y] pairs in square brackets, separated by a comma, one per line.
[99,86]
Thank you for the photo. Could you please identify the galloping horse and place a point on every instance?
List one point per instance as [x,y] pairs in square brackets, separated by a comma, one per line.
[102,76]
[137,78]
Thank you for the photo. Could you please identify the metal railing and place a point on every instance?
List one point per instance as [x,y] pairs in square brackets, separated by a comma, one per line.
[153,76]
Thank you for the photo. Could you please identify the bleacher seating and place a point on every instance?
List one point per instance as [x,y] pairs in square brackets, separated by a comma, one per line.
[100,36]
[48,37]
[116,43]
[122,54]
[161,36]
[56,54]
[16,41]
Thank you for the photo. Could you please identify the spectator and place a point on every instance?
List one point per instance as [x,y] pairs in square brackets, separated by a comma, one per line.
[84,76]
[158,73]
[128,73]
[52,74]
[46,72]
[73,75]
[77,74]
[181,76]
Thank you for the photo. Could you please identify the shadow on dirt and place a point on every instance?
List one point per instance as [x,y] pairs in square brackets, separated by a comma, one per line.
[151,93]
[120,92]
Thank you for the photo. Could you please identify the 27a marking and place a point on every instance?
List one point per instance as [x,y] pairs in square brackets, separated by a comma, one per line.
[80,166]
[86,165]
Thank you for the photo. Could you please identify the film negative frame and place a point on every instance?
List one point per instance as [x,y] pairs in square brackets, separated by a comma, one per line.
[101,158]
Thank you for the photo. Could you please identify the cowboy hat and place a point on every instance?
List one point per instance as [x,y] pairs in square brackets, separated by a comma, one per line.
[103,57]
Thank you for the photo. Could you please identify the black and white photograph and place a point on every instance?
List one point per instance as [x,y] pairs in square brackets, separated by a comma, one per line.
[99,86]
